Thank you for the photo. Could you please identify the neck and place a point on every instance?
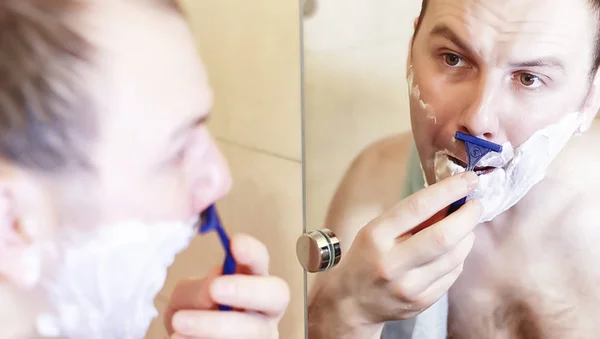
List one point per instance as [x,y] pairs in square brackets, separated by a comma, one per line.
[543,207]
[16,313]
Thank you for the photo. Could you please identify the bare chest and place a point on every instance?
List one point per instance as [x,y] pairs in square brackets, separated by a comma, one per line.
[528,285]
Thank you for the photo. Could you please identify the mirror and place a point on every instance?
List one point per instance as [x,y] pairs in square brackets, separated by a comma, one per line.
[495,98]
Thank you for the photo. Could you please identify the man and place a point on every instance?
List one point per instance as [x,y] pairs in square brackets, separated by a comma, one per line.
[105,165]
[518,260]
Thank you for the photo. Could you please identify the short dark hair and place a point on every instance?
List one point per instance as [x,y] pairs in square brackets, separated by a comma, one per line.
[595,7]
[46,116]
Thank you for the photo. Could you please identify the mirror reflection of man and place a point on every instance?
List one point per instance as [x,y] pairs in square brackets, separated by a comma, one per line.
[519,259]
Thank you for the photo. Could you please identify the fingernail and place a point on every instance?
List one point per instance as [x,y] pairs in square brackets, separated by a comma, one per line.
[471,179]
[221,288]
[182,322]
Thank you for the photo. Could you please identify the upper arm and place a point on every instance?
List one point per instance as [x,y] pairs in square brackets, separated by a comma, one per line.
[372,184]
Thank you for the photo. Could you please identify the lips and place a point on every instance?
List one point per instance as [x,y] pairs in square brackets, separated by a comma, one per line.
[479,170]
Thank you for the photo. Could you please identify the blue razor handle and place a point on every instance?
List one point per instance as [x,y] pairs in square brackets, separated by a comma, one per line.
[211,222]
[476,150]
[456,205]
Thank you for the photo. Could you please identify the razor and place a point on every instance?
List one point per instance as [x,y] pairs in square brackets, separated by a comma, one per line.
[211,222]
[476,149]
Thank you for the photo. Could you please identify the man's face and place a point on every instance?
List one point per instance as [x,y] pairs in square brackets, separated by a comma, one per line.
[499,70]
[155,166]
[155,157]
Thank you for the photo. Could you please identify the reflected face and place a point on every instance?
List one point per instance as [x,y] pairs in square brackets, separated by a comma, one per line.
[499,70]
[155,158]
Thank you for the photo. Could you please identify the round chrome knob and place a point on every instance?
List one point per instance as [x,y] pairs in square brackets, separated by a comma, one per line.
[309,8]
[318,250]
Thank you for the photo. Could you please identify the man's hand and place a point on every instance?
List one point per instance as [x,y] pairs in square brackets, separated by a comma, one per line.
[258,300]
[399,264]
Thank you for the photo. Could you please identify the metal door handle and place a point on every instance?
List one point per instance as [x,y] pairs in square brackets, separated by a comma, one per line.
[318,250]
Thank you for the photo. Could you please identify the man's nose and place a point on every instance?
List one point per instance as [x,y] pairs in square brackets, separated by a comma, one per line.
[211,180]
[480,118]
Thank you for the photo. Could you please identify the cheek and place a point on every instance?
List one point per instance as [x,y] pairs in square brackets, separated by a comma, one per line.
[443,98]
[434,105]
[149,197]
[524,121]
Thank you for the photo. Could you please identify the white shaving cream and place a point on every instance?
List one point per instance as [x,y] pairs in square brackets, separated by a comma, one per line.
[414,92]
[518,169]
[101,283]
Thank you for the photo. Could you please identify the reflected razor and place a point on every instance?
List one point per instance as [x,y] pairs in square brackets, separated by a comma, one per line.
[476,149]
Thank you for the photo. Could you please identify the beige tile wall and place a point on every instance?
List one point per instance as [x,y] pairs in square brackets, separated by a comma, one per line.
[251,50]
[355,88]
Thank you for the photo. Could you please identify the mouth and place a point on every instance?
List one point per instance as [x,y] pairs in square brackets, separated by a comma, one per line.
[479,170]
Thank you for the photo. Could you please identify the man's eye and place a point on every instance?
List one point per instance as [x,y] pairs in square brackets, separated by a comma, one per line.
[529,80]
[452,59]
[176,158]
[179,155]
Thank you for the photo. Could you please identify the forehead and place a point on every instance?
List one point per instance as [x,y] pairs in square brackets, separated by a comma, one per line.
[504,28]
[151,78]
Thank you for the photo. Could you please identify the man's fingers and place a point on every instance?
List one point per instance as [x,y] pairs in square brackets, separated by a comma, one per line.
[417,280]
[251,255]
[424,204]
[193,293]
[439,216]
[435,241]
[223,325]
[189,293]
[442,237]
[267,295]
[442,286]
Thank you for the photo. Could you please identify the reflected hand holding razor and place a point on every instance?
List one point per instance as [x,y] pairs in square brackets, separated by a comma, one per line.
[476,149]
[210,221]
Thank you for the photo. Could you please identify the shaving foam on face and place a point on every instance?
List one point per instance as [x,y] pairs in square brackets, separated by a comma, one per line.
[415,93]
[101,283]
[518,169]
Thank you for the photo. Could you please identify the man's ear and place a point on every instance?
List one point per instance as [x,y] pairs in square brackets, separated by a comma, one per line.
[14,242]
[19,234]
[592,104]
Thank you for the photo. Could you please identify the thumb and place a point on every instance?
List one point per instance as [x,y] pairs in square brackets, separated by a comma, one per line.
[190,294]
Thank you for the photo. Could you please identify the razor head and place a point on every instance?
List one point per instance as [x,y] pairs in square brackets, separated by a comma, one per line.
[209,220]
[476,148]
[477,141]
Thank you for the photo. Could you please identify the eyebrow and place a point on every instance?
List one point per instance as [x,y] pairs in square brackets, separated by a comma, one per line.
[444,31]
[542,62]
[197,121]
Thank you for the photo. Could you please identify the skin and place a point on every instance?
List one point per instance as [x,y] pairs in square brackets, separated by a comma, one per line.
[540,251]
[147,65]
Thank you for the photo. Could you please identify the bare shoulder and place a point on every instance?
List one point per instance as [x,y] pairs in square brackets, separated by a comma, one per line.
[372,184]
